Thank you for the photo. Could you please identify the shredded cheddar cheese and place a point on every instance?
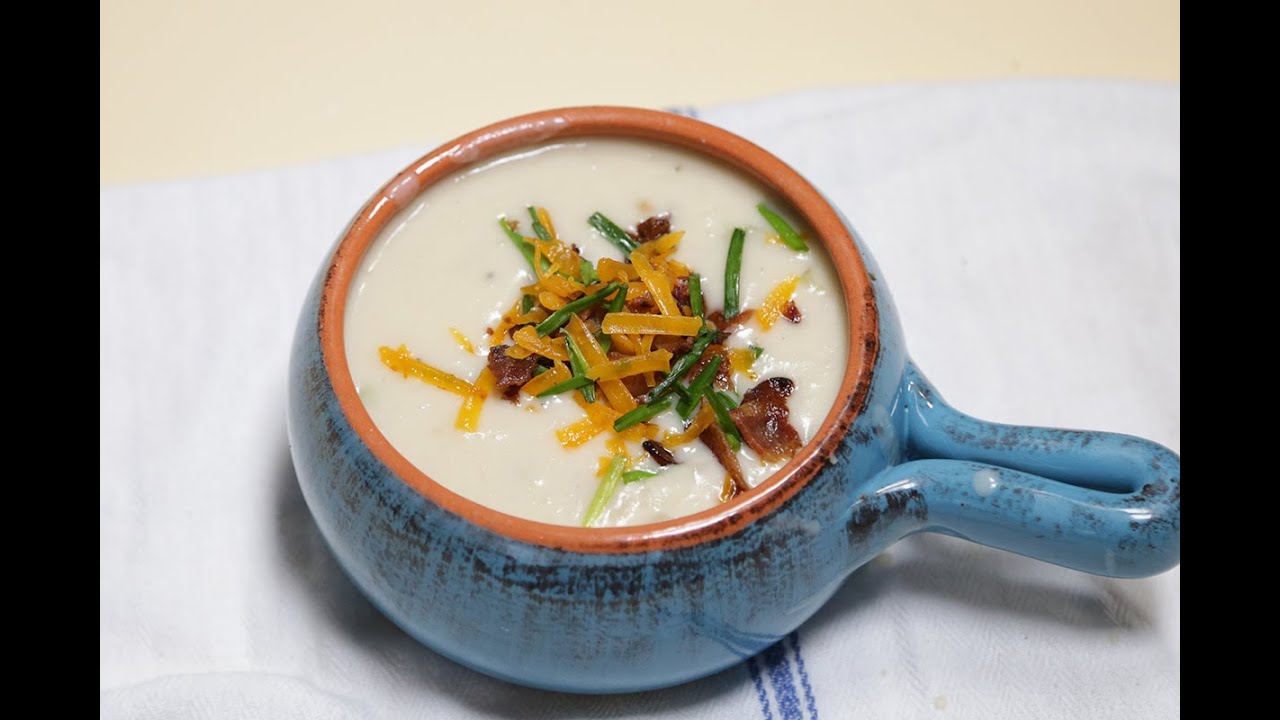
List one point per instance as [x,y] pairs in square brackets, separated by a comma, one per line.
[777,301]
[656,361]
[468,419]
[401,361]
[642,324]
[462,340]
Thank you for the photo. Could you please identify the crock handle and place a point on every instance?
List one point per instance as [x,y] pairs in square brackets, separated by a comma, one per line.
[1100,502]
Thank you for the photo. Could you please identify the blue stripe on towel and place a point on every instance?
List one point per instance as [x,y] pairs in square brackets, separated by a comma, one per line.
[761,694]
[784,688]
[810,701]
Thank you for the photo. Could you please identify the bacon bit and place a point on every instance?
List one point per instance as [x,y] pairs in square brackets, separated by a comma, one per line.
[674,344]
[660,454]
[715,439]
[728,489]
[653,228]
[724,376]
[729,326]
[792,313]
[510,373]
[680,290]
[763,419]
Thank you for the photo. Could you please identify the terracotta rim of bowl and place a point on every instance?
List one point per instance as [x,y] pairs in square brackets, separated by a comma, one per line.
[581,122]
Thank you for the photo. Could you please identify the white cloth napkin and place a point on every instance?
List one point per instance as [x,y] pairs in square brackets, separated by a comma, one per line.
[1030,232]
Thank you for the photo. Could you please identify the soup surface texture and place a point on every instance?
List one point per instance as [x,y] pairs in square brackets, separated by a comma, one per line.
[444,265]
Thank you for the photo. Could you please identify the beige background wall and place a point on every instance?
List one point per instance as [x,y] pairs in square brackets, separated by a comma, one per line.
[199,87]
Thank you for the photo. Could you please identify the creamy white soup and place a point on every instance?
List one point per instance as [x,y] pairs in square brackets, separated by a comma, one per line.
[444,274]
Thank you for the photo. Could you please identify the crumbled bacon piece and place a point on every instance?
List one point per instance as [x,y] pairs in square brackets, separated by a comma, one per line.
[653,228]
[510,373]
[680,290]
[724,374]
[728,326]
[658,452]
[641,303]
[714,438]
[763,420]
[791,312]
[677,345]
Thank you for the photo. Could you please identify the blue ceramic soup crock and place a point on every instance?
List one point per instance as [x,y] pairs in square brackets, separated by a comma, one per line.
[622,609]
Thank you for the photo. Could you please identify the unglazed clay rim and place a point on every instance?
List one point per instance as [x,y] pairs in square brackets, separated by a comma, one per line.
[579,122]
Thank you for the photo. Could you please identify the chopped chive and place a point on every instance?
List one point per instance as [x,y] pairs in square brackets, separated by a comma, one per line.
[640,414]
[605,340]
[561,316]
[784,230]
[566,386]
[617,302]
[730,400]
[608,486]
[682,365]
[695,294]
[756,350]
[698,387]
[732,269]
[631,476]
[579,365]
[614,234]
[588,271]
[525,248]
[538,228]
[526,304]
[717,402]
[539,369]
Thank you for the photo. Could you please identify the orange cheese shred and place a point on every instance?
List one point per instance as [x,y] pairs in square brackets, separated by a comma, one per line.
[571,436]
[462,340]
[776,301]
[642,324]
[401,361]
[658,360]
[527,337]
[742,359]
[610,270]
[663,245]
[544,217]
[550,300]
[658,283]
[468,419]
[701,422]
[556,375]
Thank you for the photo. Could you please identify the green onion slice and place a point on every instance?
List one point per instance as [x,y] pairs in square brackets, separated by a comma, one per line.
[614,234]
[732,271]
[640,414]
[561,316]
[695,294]
[784,230]
[608,486]
[631,476]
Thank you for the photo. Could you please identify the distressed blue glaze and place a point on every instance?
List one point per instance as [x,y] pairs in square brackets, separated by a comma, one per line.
[590,622]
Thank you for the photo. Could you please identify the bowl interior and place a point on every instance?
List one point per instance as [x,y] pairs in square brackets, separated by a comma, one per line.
[583,122]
